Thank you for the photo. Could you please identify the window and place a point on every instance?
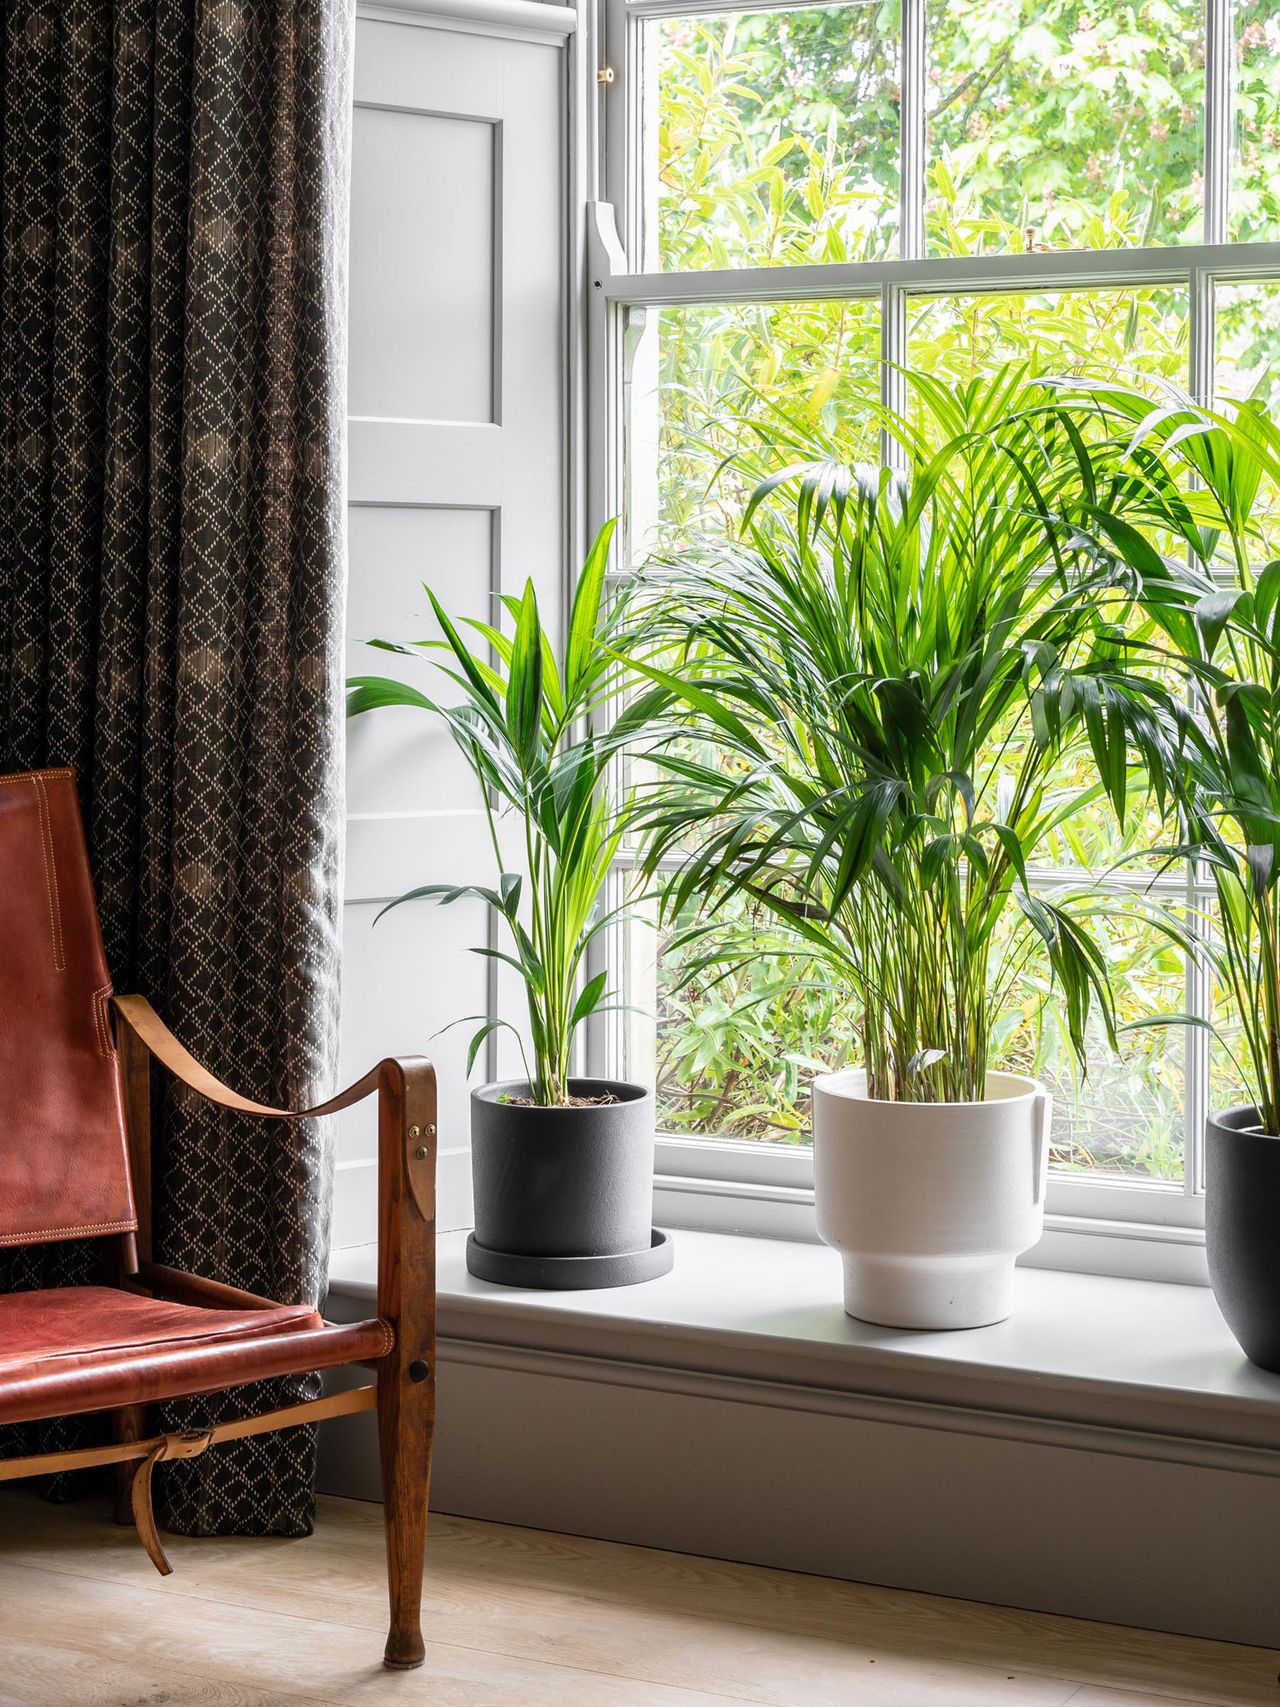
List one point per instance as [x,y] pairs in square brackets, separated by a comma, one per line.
[1063,126]
[814,202]
[696,373]
[1254,214]
[802,105]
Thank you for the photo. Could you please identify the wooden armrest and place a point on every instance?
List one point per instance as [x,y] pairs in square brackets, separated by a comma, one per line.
[147,1026]
[406,1087]
[181,1288]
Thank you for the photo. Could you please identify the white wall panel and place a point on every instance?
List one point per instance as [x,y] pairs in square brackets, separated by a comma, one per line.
[401,759]
[395,550]
[422,266]
[456,477]
[404,979]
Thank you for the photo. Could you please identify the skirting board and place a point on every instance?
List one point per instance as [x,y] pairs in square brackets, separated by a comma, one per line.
[1050,1518]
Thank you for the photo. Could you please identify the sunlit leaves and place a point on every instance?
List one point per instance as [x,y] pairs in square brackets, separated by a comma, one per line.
[899,677]
[1217,465]
[1055,127]
[535,727]
[776,136]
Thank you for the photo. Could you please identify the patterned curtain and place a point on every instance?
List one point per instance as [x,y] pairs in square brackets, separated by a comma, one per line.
[173,196]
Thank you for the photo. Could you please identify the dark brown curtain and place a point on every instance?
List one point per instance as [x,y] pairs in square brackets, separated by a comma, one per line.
[172,334]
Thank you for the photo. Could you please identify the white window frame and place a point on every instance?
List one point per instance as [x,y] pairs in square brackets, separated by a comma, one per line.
[1102,1224]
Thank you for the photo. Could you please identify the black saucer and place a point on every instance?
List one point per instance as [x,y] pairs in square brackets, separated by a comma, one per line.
[571,1274]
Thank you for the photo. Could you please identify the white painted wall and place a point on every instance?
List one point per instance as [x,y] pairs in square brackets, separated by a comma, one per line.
[456,408]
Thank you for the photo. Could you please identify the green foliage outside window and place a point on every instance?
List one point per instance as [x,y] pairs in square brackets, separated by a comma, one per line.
[1062,125]
[1051,124]
[1255,182]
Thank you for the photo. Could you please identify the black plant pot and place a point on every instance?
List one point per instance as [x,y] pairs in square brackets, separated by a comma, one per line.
[1242,1230]
[564,1196]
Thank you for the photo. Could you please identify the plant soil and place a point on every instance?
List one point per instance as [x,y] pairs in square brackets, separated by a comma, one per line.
[570,1102]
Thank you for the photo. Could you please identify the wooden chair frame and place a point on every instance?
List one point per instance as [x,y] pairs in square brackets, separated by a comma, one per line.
[404,1390]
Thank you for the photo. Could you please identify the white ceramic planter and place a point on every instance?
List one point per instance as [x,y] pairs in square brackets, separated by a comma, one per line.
[930,1203]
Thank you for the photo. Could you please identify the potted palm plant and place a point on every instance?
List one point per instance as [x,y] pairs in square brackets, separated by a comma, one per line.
[1212,479]
[562,1165]
[890,672]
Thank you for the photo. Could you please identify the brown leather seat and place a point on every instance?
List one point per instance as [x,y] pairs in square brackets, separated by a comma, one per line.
[91,1348]
[76,1326]
[75,1108]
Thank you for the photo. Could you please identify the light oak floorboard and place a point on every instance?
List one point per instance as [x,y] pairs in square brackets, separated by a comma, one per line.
[197,1650]
[1091,1697]
[524,1617]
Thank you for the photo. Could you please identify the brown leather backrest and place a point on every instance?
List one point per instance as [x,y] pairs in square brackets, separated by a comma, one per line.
[64,1171]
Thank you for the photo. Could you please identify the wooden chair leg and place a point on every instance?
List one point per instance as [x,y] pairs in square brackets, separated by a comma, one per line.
[404,1444]
[128,1423]
[406,1300]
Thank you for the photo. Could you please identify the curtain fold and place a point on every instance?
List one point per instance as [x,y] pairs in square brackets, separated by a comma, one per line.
[173,209]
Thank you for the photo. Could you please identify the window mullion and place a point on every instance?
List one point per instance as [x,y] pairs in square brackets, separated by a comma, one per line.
[893,299]
[1200,354]
[911,112]
[893,358]
[1218,90]
[1198,999]
[1200,380]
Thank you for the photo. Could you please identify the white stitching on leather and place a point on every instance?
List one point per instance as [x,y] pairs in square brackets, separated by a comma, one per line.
[30,776]
[50,872]
[101,1024]
[69,1232]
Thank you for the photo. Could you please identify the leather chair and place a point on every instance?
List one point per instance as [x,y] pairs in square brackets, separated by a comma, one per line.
[75,1103]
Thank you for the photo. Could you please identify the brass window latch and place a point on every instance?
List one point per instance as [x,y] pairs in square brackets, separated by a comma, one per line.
[606,74]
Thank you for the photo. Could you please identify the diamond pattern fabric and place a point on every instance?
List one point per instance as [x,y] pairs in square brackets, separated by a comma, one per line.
[173,232]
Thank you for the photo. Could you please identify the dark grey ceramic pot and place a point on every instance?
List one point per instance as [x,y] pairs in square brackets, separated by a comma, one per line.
[564,1196]
[1242,1230]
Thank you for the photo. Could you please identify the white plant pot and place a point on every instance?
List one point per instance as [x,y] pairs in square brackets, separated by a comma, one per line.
[929,1204]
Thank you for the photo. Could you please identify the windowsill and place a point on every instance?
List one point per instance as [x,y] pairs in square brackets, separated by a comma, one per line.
[1107,1226]
[1139,1367]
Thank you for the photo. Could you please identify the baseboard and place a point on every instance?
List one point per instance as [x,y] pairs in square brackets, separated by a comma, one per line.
[1157,1527]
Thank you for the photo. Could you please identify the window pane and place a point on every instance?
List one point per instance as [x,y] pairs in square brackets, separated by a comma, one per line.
[1127,1117]
[739,382]
[733,1052]
[1130,334]
[771,136]
[1247,326]
[1090,840]
[1104,334]
[1254,211]
[1229,1067]
[1247,329]
[1063,126]
[1230,1064]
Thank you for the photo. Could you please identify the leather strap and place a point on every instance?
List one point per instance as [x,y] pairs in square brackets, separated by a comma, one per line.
[408,1073]
[145,1022]
[188,1443]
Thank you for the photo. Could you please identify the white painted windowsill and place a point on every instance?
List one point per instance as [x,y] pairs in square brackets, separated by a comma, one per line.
[1140,1367]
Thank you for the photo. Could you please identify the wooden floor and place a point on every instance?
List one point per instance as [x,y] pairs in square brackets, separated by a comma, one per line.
[528,1619]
